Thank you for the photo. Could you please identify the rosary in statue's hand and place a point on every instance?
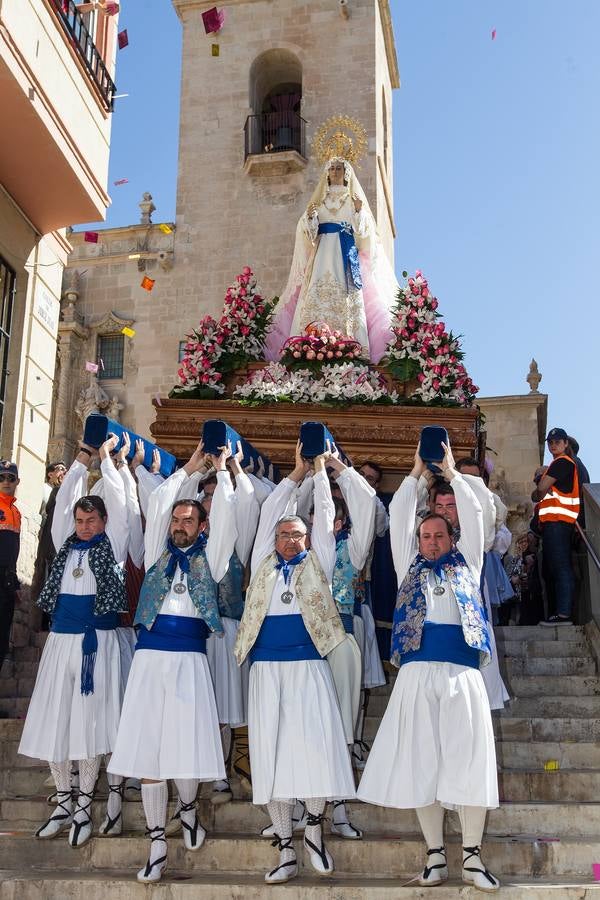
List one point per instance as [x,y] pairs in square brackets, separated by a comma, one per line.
[312,210]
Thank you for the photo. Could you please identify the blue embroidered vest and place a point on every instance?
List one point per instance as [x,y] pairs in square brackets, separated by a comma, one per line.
[411,608]
[110,578]
[201,586]
[345,579]
[229,589]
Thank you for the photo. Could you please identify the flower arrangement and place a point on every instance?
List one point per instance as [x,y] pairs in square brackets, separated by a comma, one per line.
[335,384]
[319,345]
[216,348]
[422,349]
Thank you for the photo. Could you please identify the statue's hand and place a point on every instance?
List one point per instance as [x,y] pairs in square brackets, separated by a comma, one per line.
[357,204]
[312,210]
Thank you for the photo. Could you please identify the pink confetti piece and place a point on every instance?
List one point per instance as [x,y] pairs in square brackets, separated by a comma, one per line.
[111,9]
[91,367]
[213,20]
[493,34]
[90,237]
[157,398]
[122,39]
[596,871]
[121,181]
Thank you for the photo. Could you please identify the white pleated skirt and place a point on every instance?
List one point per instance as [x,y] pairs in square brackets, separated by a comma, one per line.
[169,726]
[127,639]
[230,681]
[346,668]
[494,685]
[373,674]
[435,742]
[61,722]
[297,743]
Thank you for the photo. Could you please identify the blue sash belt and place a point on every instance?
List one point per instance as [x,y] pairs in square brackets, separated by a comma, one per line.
[74,614]
[348,248]
[347,622]
[283,639]
[443,643]
[174,633]
[358,609]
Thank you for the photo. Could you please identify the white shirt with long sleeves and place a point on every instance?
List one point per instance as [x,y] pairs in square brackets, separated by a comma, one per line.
[247,513]
[134,518]
[360,499]
[147,482]
[221,542]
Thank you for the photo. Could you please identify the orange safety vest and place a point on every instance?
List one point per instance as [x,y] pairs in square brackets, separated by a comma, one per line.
[558,506]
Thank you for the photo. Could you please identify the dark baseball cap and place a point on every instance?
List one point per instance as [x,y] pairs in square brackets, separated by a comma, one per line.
[8,468]
[557,434]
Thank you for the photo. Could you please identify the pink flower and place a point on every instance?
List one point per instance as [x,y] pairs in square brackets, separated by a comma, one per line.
[296,354]
[205,379]
[245,330]
[436,384]
[246,270]
[424,292]
[330,354]
[338,353]
[242,292]
[320,356]
[310,354]
[420,377]
[434,304]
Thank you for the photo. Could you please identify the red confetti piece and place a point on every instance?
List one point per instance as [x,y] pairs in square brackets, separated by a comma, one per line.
[90,237]
[213,20]
[121,181]
[147,283]
[111,9]
[122,39]
[493,34]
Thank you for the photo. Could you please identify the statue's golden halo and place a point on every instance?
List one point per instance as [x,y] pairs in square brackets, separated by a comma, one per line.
[340,136]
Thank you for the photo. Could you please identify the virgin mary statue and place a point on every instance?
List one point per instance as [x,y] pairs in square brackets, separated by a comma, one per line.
[340,273]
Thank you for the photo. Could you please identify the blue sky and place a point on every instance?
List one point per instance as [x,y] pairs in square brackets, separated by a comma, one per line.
[497,177]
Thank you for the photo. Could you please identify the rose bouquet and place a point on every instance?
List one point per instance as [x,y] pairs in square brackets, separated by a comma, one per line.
[319,346]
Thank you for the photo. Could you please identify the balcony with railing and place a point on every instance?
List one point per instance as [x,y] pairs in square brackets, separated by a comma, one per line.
[81,40]
[274,142]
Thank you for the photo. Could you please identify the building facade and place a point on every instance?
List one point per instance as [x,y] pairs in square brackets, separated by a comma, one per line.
[56,91]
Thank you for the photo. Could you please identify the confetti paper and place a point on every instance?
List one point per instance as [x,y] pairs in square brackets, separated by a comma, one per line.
[596,871]
[147,283]
[213,20]
[551,765]
[111,9]
[157,398]
[214,49]
[493,34]
[128,332]
[90,237]
[91,367]
[121,181]
[122,39]
[166,229]
[134,256]
[101,363]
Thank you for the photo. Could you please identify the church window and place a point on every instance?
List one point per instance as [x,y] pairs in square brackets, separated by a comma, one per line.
[110,355]
[275,98]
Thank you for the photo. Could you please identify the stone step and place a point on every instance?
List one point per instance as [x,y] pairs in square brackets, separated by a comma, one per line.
[543,665]
[525,755]
[539,633]
[536,686]
[245,854]
[528,649]
[58,884]
[551,707]
[540,729]
[242,817]
[520,786]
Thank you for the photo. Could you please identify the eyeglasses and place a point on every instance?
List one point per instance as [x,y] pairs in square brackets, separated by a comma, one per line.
[9,478]
[291,535]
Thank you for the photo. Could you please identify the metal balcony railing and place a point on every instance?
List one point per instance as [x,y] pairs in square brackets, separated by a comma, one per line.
[81,41]
[274,132]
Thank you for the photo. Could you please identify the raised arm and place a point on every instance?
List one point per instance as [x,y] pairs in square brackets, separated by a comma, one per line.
[246,509]
[134,518]
[488,508]
[470,515]
[223,533]
[147,481]
[115,502]
[322,538]
[382,520]
[73,487]
[360,499]
[403,510]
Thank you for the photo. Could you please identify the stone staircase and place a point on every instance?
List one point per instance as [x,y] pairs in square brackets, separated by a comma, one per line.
[542,840]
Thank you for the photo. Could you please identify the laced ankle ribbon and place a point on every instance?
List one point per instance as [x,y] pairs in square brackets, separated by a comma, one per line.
[155,834]
[476,852]
[429,869]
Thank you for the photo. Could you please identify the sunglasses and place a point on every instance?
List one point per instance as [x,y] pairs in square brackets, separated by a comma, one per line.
[9,478]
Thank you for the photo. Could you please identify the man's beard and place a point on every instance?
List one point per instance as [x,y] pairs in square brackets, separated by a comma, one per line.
[182,540]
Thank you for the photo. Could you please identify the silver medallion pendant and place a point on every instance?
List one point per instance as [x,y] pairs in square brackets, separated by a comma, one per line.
[287,597]
[179,588]
[77,573]
[439,590]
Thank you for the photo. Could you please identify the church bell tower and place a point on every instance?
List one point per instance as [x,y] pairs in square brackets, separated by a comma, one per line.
[252,96]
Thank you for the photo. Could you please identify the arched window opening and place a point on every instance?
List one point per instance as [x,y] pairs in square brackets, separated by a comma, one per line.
[275,124]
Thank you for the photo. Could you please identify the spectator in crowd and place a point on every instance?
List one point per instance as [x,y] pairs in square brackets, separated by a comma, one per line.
[523,571]
[584,476]
[558,496]
[10,537]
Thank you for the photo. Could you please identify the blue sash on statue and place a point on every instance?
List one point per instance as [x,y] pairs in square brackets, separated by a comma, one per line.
[177,634]
[74,614]
[348,248]
[443,643]
[283,639]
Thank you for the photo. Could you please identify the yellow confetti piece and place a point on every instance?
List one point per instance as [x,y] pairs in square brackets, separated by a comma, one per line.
[128,332]
[214,49]
[551,765]
[166,229]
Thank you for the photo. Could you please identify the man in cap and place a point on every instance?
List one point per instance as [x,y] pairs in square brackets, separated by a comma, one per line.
[10,531]
[559,501]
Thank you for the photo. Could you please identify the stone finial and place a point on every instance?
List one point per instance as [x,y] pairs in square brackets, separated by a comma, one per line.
[147,207]
[70,295]
[533,377]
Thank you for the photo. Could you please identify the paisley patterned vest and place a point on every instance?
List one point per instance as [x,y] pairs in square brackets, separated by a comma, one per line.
[345,579]
[229,589]
[411,607]
[201,587]
[110,578]
[319,612]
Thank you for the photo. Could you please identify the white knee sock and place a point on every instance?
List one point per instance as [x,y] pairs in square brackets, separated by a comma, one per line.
[315,807]
[61,772]
[472,823]
[431,820]
[154,800]
[187,788]
[281,817]
[115,797]
[88,774]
